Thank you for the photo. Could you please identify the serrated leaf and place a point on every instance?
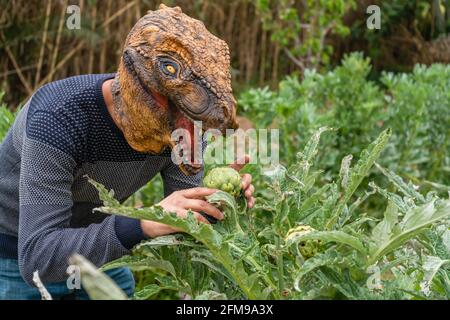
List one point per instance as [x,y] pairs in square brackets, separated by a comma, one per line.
[383,230]
[446,239]
[211,295]
[210,262]
[392,197]
[358,172]
[138,263]
[275,174]
[147,292]
[319,260]
[344,171]
[107,197]
[329,236]
[310,150]
[225,200]
[431,267]
[221,197]
[414,222]
[408,190]
[161,241]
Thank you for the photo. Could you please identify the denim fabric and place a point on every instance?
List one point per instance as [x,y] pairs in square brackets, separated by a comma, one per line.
[13,287]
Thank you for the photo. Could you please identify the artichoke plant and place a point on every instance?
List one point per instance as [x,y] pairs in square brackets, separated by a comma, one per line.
[224,178]
[307,248]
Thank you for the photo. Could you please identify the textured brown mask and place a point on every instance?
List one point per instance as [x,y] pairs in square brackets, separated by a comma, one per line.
[172,71]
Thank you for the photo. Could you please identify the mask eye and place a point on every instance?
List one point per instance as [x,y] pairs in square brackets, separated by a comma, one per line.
[169,67]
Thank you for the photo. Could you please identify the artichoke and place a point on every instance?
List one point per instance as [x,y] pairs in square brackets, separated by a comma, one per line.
[224,178]
[307,248]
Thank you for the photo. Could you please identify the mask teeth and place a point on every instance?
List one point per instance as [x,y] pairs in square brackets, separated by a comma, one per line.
[190,170]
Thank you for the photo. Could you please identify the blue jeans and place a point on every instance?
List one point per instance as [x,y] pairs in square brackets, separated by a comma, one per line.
[13,287]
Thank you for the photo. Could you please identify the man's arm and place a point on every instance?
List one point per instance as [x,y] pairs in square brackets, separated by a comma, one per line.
[45,237]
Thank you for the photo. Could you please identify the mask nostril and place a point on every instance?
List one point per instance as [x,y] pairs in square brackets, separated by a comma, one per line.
[127,59]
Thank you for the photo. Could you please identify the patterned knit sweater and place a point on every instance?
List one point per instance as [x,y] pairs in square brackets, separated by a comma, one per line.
[63,133]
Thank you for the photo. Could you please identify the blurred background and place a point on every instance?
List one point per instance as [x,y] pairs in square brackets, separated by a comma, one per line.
[268,39]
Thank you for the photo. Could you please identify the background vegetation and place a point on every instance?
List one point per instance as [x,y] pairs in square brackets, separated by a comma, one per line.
[268,38]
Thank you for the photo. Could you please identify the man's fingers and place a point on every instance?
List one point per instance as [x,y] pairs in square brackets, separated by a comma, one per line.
[240,163]
[246,180]
[198,193]
[201,218]
[249,191]
[251,202]
[203,206]
[184,213]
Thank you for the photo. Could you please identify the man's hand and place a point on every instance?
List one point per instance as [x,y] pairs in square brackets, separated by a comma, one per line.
[247,186]
[180,202]
[193,199]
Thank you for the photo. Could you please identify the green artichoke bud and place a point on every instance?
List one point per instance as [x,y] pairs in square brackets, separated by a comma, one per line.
[225,179]
[307,248]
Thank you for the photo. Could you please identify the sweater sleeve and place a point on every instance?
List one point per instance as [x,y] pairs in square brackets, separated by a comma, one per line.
[46,239]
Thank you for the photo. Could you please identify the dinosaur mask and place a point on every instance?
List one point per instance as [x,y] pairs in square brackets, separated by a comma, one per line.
[172,72]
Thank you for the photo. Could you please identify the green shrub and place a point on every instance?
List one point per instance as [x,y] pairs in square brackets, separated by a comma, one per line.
[256,255]
[414,105]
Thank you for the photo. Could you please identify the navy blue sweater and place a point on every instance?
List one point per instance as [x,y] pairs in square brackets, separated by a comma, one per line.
[63,133]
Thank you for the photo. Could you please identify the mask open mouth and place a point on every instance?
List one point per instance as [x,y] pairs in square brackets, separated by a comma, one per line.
[189,144]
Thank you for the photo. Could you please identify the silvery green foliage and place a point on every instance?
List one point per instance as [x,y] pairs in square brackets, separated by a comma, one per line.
[250,254]
[97,284]
[415,105]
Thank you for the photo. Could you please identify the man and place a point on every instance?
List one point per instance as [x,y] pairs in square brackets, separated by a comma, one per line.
[116,129]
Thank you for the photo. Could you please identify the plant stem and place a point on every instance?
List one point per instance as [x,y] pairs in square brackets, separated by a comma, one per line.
[280,266]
